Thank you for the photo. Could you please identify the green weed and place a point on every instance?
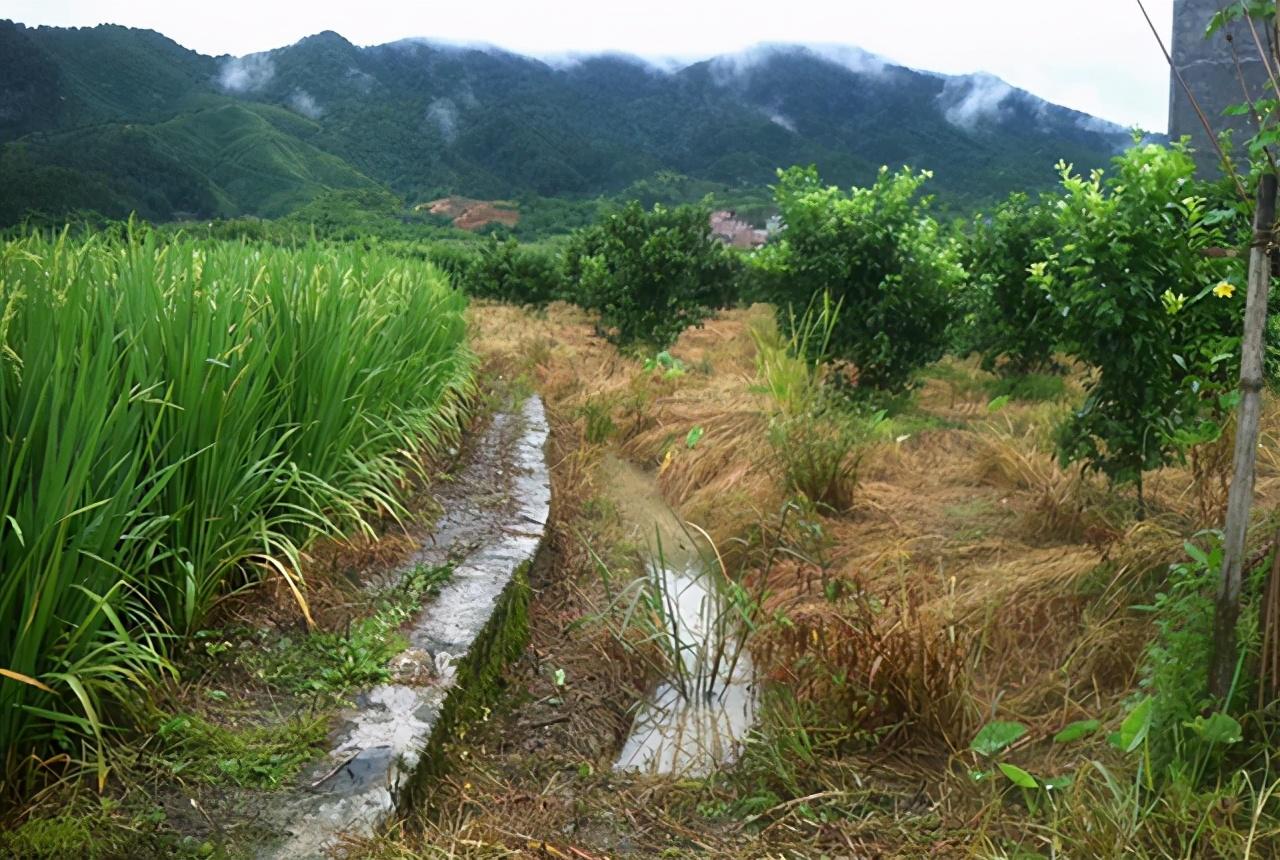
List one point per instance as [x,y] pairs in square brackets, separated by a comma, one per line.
[189,747]
[331,665]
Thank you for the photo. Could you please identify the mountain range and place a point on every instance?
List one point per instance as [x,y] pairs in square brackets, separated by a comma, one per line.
[112,120]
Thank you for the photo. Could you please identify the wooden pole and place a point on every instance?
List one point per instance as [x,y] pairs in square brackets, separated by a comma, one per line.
[1240,500]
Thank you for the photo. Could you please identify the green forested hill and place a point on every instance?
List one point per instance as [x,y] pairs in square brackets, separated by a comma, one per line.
[112,119]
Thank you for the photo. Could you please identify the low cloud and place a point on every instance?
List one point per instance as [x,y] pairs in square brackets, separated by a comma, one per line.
[1097,125]
[727,68]
[565,61]
[362,80]
[302,102]
[443,115]
[783,120]
[970,101]
[246,74]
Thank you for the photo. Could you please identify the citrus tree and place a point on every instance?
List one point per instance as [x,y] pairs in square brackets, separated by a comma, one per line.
[1142,304]
[1010,319]
[650,273]
[511,272]
[879,254]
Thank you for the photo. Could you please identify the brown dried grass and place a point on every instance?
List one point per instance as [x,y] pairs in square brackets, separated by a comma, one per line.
[1000,579]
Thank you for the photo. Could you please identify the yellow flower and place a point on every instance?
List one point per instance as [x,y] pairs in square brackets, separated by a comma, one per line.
[1224,290]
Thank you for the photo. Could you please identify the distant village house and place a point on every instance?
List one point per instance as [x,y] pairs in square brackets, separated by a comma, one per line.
[728,228]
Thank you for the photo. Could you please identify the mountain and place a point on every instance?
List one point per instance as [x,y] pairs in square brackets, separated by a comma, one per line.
[113,119]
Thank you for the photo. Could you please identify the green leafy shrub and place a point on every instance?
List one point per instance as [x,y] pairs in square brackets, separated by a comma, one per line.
[1175,667]
[1143,305]
[1012,322]
[511,272]
[650,274]
[880,256]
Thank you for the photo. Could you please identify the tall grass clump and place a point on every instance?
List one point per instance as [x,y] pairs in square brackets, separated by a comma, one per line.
[817,434]
[178,420]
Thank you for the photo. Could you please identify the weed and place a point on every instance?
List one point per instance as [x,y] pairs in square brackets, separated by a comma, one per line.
[597,415]
[100,828]
[189,747]
[819,452]
[330,665]
[1029,387]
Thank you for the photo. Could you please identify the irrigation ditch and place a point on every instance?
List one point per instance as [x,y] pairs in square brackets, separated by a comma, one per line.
[696,716]
[397,735]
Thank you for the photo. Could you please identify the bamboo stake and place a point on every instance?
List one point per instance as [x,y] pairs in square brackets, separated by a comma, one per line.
[1240,500]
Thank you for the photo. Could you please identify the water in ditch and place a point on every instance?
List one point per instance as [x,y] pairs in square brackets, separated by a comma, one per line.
[694,720]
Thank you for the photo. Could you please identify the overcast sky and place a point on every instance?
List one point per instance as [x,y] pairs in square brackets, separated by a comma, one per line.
[1093,55]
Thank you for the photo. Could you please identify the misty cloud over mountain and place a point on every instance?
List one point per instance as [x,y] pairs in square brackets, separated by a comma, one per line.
[123,109]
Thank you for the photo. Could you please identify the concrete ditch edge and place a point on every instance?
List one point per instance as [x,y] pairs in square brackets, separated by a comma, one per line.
[396,738]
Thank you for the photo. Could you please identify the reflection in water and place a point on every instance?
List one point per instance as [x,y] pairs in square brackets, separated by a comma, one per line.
[694,722]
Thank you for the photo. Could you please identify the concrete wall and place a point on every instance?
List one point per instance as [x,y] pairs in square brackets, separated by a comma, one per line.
[1209,69]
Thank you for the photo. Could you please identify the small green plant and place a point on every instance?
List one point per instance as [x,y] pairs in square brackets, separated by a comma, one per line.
[989,744]
[1029,387]
[665,363]
[789,367]
[819,451]
[189,747]
[333,664]
[597,415]
[1175,665]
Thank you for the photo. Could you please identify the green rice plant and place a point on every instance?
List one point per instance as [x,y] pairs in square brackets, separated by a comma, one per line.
[178,420]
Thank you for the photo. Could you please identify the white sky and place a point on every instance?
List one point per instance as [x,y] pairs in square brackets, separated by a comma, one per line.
[1093,55]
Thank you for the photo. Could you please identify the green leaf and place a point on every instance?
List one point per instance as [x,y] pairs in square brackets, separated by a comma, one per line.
[999,403]
[693,438]
[1218,728]
[996,737]
[1075,731]
[1018,776]
[1134,729]
[559,677]
[1057,783]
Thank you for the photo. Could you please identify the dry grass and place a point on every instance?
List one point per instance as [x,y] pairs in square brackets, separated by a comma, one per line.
[972,577]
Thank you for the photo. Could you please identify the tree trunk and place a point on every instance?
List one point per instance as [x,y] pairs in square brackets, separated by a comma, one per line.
[1240,499]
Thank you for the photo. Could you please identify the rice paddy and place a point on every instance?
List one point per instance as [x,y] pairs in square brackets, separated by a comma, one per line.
[179,420]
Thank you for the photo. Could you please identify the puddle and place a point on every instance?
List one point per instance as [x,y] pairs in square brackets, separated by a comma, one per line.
[695,722]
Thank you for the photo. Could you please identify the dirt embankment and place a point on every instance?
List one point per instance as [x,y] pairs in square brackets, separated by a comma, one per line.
[468,214]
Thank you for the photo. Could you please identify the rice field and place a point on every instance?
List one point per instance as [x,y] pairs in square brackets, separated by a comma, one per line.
[178,420]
